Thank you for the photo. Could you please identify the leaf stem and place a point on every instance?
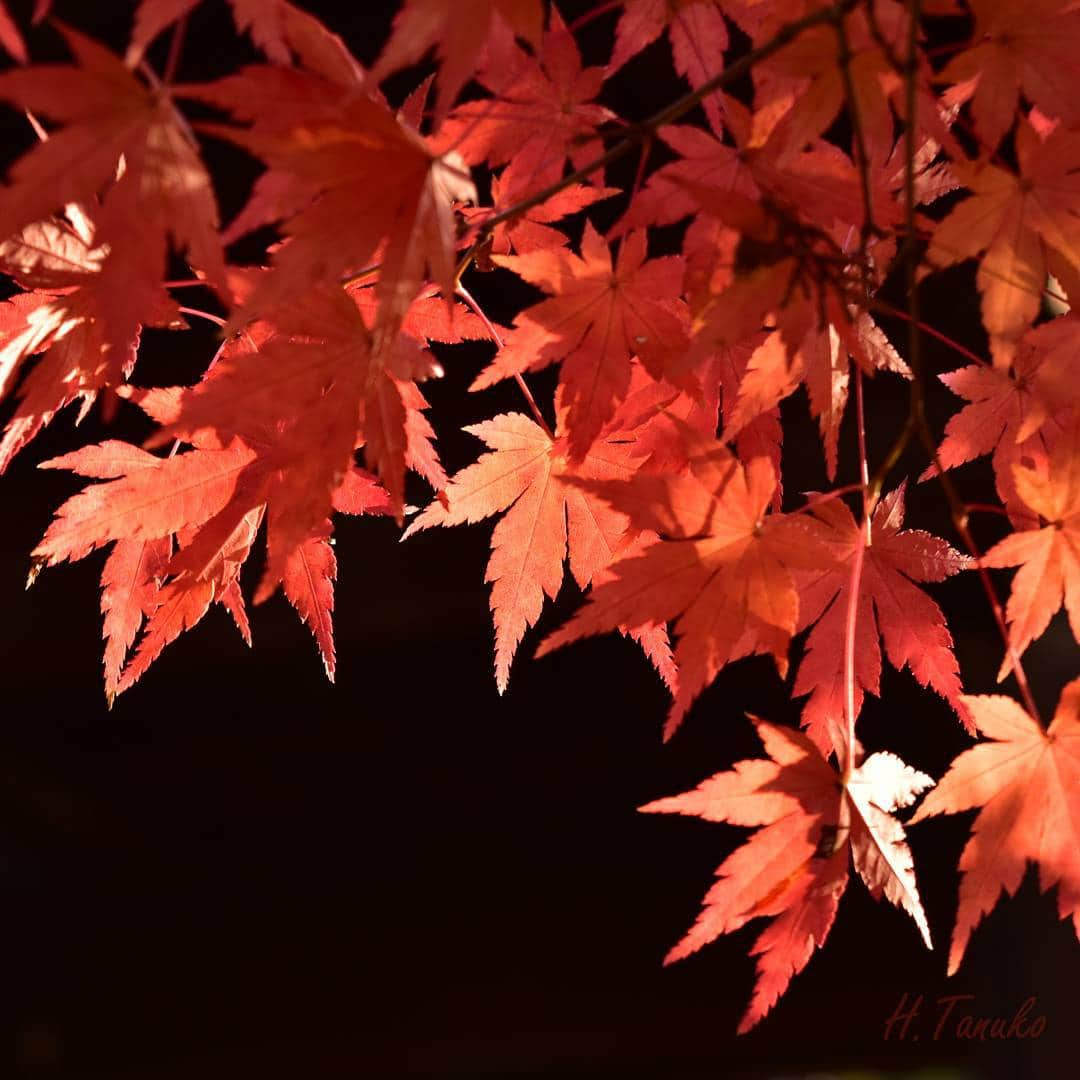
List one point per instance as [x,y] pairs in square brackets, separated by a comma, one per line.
[593,14]
[200,314]
[820,497]
[176,46]
[888,309]
[851,619]
[523,386]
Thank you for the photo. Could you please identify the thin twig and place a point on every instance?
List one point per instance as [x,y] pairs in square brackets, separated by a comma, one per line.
[917,422]
[668,115]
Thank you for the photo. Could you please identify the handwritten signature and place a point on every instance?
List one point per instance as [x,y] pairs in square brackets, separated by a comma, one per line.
[955,1017]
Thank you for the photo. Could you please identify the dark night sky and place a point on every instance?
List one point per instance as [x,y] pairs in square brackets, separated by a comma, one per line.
[244,869]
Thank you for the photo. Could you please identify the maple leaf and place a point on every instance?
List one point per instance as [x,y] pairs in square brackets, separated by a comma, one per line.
[821,363]
[149,500]
[545,521]
[458,32]
[804,87]
[703,160]
[142,518]
[542,113]
[65,317]
[130,586]
[277,27]
[697,33]
[134,568]
[780,275]
[142,503]
[889,607]
[1011,412]
[354,185]
[163,191]
[1018,46]
[308,581]
[794,869]
[725,572]
[532,230]
[299,393]
[1025,783]
[1020,226]
[1048,557]
[598,317]
[181,604]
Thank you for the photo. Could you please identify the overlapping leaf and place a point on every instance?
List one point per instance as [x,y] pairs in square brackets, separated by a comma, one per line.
[599,317]
[725,571]
[794,869]
[1048,557]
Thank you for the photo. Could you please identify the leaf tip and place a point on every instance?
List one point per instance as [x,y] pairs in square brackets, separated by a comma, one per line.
[37,564]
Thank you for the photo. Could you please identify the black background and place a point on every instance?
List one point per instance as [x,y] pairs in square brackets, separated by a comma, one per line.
[242,869]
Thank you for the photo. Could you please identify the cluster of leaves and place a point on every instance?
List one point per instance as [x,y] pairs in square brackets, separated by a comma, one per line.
[660,479]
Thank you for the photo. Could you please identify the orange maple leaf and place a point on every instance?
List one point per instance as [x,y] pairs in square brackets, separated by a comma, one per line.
[820,363]
[1021,227]
[794,869]
[546,520]
[726,570]
[1049,558]
[1026,786]
[1012,412]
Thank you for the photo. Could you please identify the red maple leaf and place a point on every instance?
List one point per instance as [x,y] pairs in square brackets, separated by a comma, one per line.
[277,27]
[795,867]
[355,186]
[1025,783]
[599,317]
[65,317]
[459,33]
[1029,46]
[147,502]
[698,36]
[542,114]
[889,607]
[162,192]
